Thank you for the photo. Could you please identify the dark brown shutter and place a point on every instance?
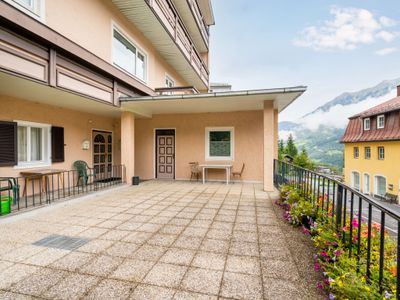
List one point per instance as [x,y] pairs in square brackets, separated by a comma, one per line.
[8,144]
[57,144]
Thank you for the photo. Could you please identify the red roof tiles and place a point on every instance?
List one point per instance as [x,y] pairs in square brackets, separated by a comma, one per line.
[356,133]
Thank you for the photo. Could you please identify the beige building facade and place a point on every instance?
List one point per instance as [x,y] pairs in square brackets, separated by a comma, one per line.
[126,83]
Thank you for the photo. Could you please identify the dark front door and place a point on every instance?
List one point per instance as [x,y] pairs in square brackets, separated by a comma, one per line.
[165,154]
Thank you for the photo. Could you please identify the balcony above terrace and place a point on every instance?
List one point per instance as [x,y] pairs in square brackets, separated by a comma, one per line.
[160,22]
[190,12]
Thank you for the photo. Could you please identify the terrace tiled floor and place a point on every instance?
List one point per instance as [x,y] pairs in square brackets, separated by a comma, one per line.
[159,240]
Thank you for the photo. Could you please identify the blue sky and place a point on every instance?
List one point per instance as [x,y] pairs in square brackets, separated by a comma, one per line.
[329,46]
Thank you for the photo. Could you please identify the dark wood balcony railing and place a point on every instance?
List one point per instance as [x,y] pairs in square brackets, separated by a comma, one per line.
[168,14]
[199,20]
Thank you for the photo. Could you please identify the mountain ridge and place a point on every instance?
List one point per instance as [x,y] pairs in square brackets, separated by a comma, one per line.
[322,143]
[349,98]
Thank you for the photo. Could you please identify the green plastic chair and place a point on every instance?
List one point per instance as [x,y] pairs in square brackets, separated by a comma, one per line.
[11,186]
[82,167]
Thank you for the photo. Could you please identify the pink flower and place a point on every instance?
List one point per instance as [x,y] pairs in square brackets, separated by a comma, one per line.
[354,223]
[317,267]
[320,286]
[305,230]
[323,253]
[337,252]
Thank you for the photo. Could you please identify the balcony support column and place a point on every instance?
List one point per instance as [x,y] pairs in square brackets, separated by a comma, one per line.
[269,145]
[128,144]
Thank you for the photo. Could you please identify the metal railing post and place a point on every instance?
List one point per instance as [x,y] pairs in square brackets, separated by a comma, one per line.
[339,206]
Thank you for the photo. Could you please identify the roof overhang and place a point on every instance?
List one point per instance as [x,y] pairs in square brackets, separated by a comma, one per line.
[145,107]
[207,11]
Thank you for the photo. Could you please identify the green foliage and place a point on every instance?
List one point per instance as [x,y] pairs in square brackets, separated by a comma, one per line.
[333,247]
[291,148]
[281,149]
[302,160]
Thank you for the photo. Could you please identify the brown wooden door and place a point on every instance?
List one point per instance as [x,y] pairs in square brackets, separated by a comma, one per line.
[165,156]
[102,154]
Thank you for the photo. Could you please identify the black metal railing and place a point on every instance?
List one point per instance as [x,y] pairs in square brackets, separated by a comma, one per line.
[348,208]
[17,193]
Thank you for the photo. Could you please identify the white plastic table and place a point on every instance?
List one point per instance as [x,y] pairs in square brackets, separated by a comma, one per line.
[227,168]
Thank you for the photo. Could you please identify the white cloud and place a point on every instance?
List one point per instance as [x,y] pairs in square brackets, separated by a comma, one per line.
[284,134]
[338,115]
[349,28]
[386,51]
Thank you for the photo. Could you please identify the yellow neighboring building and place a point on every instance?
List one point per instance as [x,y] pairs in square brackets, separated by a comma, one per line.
[372,149]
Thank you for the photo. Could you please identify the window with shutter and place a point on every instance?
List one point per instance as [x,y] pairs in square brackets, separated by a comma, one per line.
[57,144]
[8,143]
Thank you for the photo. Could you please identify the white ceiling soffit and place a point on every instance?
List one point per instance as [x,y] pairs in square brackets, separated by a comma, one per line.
[186,14]
[212,102]
[140,14]
[24,89]
[207,11]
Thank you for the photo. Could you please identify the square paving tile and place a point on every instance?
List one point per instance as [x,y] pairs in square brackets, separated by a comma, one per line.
[146,292]
[162,240]
[46,257]
[243,264]
[167,275]
[122,249]
[111,289]
[114,235]
[96,246]
[73,286]
[137,237]
[171,229]
[241,286]
[14,274]
[102,265]
[282,289]
[36,283]
[217,246]
[200,280]
[149,252]
[219,234]
[188,242]
[72,261]
[244,248]
[132,270]
[195,231]
[207,260]
[182,295]
[178,256]
[280,269]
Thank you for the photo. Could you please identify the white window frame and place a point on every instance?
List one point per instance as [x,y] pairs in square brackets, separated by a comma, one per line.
[36,10]
[353,181]
[207,144]
[367,121]
[376,184]
[365,152]
[169,78]
[379,153]
[378,118]
[131,41]
[46,145]
[365,190]
[358,152]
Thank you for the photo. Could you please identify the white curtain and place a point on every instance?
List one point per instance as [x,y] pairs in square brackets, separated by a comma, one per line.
[36,144]
[22,143]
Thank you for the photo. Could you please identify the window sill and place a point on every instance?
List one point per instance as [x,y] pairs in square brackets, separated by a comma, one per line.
[224,158]
[144,81]
[32,166]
